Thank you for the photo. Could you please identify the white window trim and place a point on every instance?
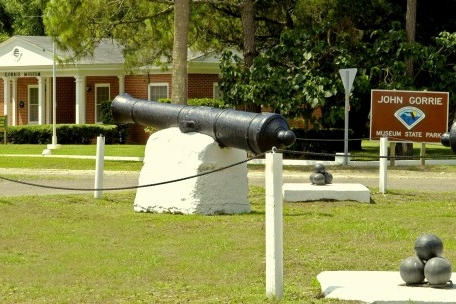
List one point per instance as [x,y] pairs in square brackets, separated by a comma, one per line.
[157,84]
[99,85]
[215,89]
[32,86]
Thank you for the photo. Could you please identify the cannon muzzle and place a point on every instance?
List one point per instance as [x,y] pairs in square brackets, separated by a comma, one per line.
[255,132]
[448,139]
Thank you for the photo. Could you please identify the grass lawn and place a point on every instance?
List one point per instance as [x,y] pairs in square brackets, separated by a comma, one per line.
[8,161]
[370,151]
[77,249]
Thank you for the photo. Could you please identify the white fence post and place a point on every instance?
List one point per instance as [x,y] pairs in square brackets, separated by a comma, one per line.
[99,166]
[383,164]
[274,225]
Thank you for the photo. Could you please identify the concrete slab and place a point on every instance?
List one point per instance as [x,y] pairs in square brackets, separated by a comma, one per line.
[307,192]
[380,287]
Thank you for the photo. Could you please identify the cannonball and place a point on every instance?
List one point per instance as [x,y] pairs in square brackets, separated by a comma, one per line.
[319,168]
[412,270]
[428,246]
[328,177]
[318,179]
[437,271]
[311,177]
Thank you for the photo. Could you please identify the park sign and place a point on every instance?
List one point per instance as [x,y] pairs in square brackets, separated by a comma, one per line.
[413,116]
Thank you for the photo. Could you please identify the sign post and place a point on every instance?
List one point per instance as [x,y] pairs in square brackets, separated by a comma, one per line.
[347,75]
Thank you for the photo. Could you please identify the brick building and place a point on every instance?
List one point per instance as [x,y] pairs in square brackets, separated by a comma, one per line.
[27,68]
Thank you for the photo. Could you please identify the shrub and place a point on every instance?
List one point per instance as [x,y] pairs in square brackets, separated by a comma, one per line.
[66,134]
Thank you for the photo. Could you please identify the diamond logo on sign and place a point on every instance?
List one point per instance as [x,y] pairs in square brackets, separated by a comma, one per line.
[409,116]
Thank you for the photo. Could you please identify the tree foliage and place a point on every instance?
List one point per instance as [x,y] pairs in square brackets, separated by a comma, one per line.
[300,73]
[19,17]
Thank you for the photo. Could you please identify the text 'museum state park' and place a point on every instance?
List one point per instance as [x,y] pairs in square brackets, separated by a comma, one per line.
[26,71]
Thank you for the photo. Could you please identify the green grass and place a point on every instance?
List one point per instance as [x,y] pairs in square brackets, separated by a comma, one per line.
[110,150]
[8,161]
[76,249]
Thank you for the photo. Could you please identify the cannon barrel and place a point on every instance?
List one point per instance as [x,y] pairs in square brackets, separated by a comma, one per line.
[255,132]
[448,139]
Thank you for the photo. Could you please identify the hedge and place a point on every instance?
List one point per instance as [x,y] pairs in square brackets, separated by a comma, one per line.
[66,134]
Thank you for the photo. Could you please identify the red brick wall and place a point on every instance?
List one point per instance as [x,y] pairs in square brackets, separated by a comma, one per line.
[137,86]
[201,85]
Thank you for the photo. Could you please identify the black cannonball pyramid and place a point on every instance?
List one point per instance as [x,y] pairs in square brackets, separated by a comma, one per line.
[428,246]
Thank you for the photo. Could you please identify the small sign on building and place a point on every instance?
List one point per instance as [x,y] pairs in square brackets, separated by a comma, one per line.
[414,116]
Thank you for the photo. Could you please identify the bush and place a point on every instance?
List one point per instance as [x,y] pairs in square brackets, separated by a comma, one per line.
[208,102]
[66,134]
[314,142]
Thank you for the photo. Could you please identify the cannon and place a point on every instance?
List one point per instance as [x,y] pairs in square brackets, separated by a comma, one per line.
[448,139]
[255,132]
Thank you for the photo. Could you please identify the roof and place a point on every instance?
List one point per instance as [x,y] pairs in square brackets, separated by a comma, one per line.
[36,53]
[107,51]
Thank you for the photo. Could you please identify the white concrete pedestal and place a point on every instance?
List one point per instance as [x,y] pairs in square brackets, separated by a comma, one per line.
[171,154]
[341,192]
[380,287]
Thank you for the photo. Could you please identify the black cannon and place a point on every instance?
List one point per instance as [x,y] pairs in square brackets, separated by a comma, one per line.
[255,132]
[448,139]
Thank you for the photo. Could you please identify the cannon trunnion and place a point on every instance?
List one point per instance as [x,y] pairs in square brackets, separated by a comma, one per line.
[255,132]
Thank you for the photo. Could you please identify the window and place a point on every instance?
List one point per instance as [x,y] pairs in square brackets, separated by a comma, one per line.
[158,90]
[216,94]
[33,104]
[102,94]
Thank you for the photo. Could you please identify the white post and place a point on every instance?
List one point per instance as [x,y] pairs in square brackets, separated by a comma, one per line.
[274,225]
[99,166]
[383,164]
[347,108]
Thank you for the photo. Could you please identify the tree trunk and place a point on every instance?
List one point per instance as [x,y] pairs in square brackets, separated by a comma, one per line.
[248,27]
[406,149]
[410,27]
[180,75]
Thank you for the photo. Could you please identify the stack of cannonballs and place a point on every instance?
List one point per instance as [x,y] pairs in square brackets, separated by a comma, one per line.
[320,176]
[428,264]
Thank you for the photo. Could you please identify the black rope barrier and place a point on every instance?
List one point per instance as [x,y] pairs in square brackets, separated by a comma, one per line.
[314,154]
[132,187]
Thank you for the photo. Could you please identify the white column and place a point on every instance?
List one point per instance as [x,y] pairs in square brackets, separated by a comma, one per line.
[14,102]
[41,99]
[80,99]
[6,96]
[121,84]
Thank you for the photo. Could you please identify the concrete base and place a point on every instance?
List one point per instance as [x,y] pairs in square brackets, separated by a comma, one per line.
[341,192]
[170,155]
[380,287]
